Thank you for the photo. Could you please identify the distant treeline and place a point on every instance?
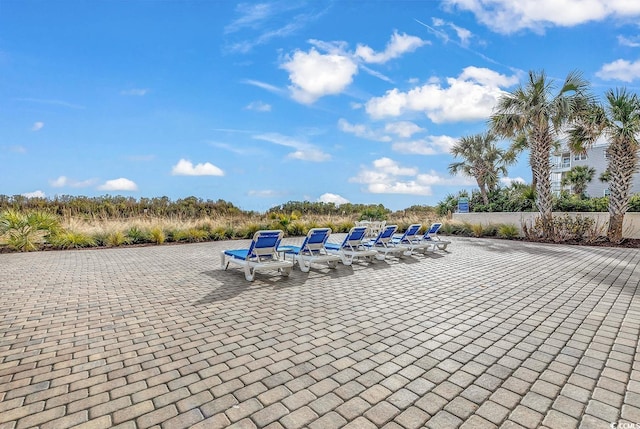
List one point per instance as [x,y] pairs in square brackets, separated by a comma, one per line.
[109,206]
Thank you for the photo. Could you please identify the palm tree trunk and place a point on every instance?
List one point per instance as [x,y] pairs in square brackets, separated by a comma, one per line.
[483,192]
[542,174]
[621,168]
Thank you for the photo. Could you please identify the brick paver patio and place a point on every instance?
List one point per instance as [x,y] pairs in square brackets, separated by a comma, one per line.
[492,334]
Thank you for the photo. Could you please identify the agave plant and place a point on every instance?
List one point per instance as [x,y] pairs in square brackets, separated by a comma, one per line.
[26,232]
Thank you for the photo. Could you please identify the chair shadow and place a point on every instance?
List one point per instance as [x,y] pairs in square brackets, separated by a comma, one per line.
[233,283]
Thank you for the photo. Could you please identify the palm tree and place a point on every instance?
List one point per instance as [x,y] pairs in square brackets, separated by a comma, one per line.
[482,160]
[534,115]
[579,177]
[619,122]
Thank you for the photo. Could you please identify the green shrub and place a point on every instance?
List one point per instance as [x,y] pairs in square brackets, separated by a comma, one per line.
[508,231]
[477,230]
[26,232]
[115,239]
[344,227]
[191,235]
[248,230]
[297,229]
[156,235]
[136,235]
[72,240]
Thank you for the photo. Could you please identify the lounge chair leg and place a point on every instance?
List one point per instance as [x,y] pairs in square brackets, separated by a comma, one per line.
[249,274]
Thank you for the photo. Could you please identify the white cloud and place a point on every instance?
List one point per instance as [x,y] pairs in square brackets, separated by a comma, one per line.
[59,182]
[250,16]
[186,168]
[258,23]
[332,198]
[61,103]
[309,154]
[138,92]
[34,194]
[508,16]
[430,145]
[398,45]
[470,96]
[633,42]
[263,85]
[37,126]
[303,151]
[120,184]
[404,129]
[620,70]
[314,75]
[63,181]
[507,181]
[259,106]
[266,193]
[463,34]
[328,68]
[386,176]
[363,131]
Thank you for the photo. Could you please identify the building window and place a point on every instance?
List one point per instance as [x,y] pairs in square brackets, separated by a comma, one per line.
[607,192]
[580,157]
[566,162]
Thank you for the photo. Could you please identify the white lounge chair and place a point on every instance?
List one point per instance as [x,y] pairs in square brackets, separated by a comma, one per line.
[430,237]
[262,255]
[410,240]
[352,247]
[312,250]
[382,243]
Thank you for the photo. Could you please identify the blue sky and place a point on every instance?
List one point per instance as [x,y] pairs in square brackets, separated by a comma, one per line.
[259,103]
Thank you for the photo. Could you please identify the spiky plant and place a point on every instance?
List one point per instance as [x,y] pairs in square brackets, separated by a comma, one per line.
[26,232]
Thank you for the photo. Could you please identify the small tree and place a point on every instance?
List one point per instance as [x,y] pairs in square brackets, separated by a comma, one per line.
[535,116]
[619,121]
[482,160]
[578,178]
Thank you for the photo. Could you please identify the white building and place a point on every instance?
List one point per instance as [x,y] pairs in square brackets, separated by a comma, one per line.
[595,157]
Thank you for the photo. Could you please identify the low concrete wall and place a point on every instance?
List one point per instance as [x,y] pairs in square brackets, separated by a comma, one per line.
[630,228]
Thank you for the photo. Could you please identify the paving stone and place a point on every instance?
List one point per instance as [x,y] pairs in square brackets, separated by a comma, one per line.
[526,417]
[556,419]
[269,414]
[361,423]
[243,409]
[134,347]
[329,421]
[300,418]
[461,408]
[381,413]
[444,420]
[493,412]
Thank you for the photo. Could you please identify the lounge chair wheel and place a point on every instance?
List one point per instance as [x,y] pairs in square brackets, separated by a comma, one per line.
[333,264]
[286,271]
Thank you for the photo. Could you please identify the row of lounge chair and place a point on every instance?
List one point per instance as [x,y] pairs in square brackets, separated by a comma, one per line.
[266,252]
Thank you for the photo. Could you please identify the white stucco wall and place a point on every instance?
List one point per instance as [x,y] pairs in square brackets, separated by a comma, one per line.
[630,229]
